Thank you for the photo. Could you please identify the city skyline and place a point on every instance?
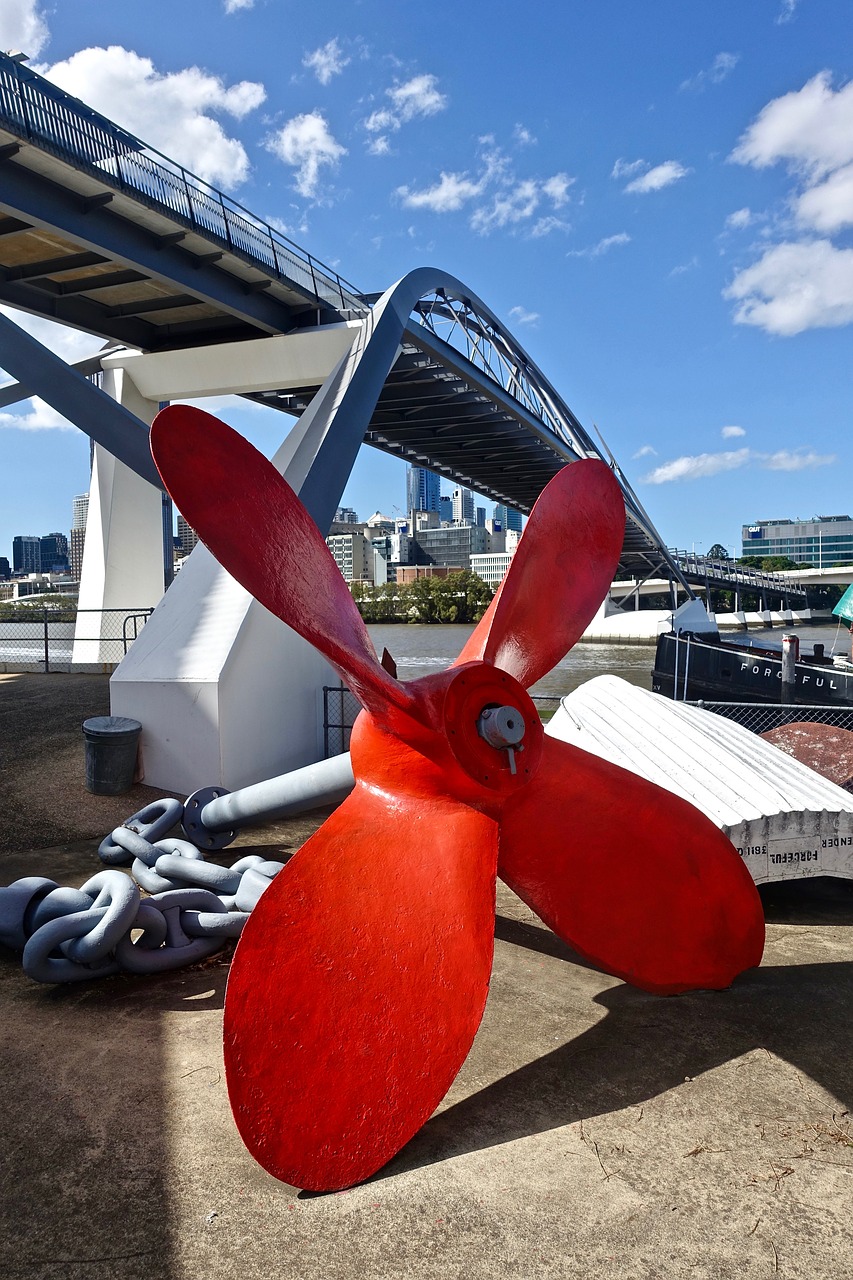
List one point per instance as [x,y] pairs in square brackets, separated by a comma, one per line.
[658,204]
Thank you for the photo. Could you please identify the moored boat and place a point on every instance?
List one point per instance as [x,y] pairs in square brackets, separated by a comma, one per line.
[693,668]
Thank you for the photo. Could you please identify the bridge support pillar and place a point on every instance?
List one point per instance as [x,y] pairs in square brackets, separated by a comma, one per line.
[123,555]
[227,695]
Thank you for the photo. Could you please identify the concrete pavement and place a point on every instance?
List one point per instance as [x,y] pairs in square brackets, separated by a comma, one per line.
[594,1131]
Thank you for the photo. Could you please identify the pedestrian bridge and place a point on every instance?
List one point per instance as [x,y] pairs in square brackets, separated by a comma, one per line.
[196,296]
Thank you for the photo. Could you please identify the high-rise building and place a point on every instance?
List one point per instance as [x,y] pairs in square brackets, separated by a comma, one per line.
[346,515]
[187,536]
[5,568]
[422,489]
[79,511]
[509,518]
[54,553]
[463,505]
[26,554]
[445,507]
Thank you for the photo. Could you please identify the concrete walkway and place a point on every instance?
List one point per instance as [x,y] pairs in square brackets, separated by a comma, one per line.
[594,1131]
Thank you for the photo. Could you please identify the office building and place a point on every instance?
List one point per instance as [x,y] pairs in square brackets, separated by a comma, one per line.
[821,542]
[508,517]
[79,511]
[453,546]
[345,515]
[187,536]
[462,501]
[26,554]
[353,554]
[422,489]
[54,553]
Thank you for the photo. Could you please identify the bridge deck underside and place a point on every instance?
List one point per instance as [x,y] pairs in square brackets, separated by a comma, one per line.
[76,250]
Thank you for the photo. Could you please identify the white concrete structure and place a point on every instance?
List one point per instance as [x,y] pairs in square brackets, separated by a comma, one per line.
[227,694]
[123,566]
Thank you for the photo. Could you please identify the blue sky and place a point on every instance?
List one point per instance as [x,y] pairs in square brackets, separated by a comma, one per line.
[657,199]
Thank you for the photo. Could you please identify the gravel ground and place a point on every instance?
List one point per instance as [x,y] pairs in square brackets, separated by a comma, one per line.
[42,771]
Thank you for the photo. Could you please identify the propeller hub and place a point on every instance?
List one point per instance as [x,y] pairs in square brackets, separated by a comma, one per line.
[502,727]
[492,727]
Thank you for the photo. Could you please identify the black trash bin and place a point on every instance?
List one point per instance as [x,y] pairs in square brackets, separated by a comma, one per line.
[111,746]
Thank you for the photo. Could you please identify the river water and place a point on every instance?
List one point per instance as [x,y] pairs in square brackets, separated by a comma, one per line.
[421,650]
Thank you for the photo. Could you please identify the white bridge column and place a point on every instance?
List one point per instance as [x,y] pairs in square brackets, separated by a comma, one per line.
[123,552]
[227,695]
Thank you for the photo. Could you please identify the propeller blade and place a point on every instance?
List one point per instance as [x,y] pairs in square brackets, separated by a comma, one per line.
[358,986]
[558,577]
[629,875]
[256,527]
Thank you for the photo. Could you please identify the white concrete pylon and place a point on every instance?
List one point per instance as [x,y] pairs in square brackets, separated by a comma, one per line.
[123,566]
[227,694]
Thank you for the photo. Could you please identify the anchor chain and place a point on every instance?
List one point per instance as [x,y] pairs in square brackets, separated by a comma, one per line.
[107,926]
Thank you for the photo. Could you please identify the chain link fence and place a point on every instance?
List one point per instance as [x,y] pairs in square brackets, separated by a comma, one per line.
[65,638]
[759,717]
[340,708]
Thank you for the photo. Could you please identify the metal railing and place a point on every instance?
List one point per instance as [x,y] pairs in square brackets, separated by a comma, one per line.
[760,717]
[37,111]
[44,639]
[729,571]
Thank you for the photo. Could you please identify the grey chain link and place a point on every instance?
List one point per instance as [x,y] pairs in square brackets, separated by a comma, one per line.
[73,935]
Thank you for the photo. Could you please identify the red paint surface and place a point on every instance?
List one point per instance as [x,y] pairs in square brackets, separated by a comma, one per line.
[631,876]
[360,979]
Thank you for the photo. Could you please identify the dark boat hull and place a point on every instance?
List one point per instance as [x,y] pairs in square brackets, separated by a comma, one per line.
[693,670]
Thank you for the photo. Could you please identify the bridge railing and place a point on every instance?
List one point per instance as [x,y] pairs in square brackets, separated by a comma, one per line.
[37,111]
[724,571]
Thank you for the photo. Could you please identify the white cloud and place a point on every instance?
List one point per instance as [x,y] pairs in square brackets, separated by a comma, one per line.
[40,417]
[306,144]
[233,6]
[799,460]
[702,465]
[507,207]
[544,226]
[828,206]
[683,267]
[803,284]
[418,97]
[696,466]
[505,200]
[722,67]
[23,27]
[521,316]
[732,433]
[645,452]
[810,128]
[326,62]
[603,246]
[794,287]
[523,136]
[171,112]
[662,175]
[739,220]
[786,12]
[557,189]
[450,193]
[624,168]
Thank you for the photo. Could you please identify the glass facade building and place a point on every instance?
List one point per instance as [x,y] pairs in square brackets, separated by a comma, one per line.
[821,542]
[422,489]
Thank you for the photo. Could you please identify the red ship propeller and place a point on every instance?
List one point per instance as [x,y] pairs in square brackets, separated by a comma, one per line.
[361,977]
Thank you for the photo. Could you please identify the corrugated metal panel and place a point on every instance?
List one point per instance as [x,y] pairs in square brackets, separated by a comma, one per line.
[785,819]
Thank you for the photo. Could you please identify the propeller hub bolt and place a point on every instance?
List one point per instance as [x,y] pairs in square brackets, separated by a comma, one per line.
[501,727]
